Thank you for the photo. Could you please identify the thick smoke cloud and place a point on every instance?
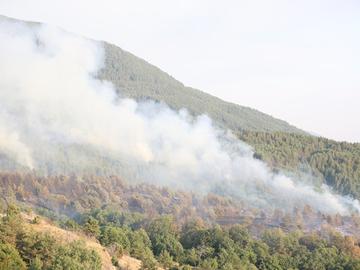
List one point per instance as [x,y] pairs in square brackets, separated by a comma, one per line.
[12,146]
[49,95]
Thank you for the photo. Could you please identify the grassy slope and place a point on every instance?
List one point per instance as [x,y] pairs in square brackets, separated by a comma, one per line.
[65,236]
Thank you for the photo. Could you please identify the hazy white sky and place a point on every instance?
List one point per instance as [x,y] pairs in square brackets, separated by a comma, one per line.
[296,60]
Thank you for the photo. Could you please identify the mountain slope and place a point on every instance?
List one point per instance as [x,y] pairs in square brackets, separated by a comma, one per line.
[135,78]
[63,236]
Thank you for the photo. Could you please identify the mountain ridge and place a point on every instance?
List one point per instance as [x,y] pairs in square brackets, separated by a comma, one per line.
[134,77]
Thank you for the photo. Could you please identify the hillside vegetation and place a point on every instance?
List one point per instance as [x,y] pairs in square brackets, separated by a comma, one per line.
[110,235]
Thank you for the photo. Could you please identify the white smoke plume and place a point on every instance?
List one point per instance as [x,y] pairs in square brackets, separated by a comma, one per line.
[12,146]
[50,95]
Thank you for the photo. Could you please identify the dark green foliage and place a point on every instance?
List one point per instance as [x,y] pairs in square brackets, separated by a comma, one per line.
[166,259]
[75,257]
[10,258]
[147,259]
[91,227]
[11,225]
[43,252]
[115,235]
[163,236]
[40,246]
[109,216]
[36,264]
[140,243]
[71,225]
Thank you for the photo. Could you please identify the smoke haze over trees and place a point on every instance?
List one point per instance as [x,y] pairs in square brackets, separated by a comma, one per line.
[58,101]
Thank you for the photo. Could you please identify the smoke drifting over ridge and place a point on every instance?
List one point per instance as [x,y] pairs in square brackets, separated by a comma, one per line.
[49,95]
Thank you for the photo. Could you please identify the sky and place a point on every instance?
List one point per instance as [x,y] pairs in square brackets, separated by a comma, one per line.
[296,60]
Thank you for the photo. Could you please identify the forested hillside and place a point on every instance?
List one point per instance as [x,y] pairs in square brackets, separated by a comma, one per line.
[135,78]
[338,163]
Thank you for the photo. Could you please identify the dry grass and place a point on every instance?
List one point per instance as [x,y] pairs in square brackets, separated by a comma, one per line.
[65,236]
[129,263]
